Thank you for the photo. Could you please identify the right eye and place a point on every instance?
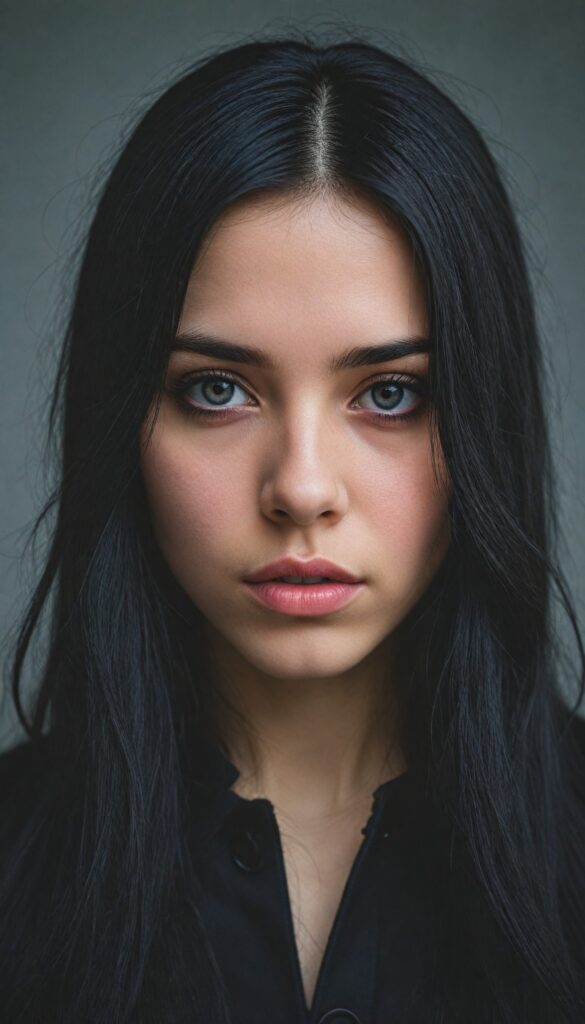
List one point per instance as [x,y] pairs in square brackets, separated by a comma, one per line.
[214,386]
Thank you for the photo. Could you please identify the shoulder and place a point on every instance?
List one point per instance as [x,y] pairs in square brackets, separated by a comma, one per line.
[17,758]
[575,740]
[573,743]
[14,754]
[23,768]
[25,796]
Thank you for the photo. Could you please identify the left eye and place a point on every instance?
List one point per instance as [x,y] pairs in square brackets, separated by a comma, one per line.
[390,393]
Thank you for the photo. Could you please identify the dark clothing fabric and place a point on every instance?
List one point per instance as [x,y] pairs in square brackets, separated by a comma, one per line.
[396,944]
[379,962]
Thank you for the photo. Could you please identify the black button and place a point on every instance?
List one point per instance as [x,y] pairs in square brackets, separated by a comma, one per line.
[339,1017]
[246,851]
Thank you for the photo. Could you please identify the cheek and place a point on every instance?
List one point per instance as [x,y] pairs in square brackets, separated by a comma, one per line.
[191,502]
[408,510]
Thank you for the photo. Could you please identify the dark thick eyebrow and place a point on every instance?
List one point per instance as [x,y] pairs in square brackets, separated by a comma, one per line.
[205,344]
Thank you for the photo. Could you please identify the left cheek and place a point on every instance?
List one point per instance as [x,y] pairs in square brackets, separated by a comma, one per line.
[430,541]
[412,518]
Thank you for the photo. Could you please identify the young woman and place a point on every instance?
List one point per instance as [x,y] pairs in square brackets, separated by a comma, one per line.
[300,750]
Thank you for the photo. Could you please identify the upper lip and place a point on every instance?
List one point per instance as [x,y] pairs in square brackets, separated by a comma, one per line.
[293,567]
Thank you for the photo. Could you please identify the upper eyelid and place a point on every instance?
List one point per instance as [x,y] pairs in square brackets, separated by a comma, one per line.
[196,375]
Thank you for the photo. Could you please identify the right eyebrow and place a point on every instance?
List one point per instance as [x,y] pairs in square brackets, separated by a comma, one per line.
[206,344]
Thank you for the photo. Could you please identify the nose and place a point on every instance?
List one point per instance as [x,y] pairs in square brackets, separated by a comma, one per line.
[305,475]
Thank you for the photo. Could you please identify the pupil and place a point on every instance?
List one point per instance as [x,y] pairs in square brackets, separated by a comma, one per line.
[392,390]
[218,388]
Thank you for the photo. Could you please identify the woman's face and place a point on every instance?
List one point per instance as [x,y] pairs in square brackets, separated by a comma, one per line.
[293,460]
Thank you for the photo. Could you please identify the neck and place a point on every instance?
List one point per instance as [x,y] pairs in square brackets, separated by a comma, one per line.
[317,746]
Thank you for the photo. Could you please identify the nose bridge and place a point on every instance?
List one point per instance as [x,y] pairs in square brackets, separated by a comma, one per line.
[305,459]
[305,435]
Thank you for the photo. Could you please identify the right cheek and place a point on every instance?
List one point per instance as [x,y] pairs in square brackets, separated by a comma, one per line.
[183,526]
[191,499]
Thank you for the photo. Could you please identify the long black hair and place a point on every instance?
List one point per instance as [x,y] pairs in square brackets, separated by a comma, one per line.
[98,909]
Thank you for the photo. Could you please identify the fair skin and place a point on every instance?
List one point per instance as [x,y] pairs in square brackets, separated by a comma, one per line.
[301,467]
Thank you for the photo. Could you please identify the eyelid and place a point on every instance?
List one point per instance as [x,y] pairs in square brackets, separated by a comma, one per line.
[193,377]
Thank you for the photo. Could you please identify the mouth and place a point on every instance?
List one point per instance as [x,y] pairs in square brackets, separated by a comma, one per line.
[309,581]
[307,597]
[296,572]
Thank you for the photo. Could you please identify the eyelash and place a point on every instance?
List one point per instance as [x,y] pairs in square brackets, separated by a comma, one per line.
[181,386]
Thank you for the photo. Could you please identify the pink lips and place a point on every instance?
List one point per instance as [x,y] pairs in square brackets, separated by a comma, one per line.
[289,566]
[304,598]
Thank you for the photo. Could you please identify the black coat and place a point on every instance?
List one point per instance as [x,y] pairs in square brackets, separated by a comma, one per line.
[394,937]
[380,959]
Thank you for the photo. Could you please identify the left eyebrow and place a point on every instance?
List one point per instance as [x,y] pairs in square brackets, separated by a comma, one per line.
[205,344]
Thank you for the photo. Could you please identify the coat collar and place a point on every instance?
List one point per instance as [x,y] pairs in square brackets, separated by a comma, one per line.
[211,769]
[212,774]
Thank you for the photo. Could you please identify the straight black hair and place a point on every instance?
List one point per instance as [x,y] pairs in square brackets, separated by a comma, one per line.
[99,917]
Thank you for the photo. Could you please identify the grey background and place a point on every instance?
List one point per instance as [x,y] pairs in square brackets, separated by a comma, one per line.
[74,75]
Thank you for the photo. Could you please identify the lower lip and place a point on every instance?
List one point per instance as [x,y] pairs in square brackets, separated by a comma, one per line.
[304,598]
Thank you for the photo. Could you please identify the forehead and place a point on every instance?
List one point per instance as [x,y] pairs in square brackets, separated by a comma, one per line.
[277,272]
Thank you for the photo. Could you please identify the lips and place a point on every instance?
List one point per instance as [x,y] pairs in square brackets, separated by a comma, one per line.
[294,567]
